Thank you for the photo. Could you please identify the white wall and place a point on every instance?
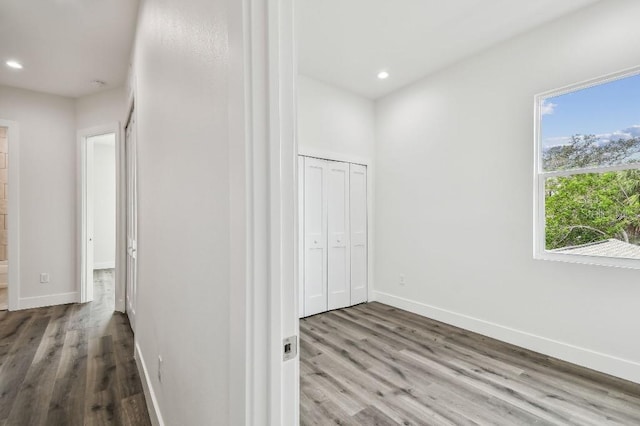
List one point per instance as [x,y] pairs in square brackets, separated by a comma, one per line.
[334,120]
[104,201]
[180,80]
[106,107]
[47,193]
[454,201]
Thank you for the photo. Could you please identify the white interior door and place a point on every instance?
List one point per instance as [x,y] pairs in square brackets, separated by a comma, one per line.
[301,237]
[315,237]
[132,219]
[89,219]
[339,253]
[358,223]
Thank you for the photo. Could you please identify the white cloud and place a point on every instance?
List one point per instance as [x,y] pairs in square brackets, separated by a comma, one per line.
[624,134]
[634,131]
[628,133]
[547,108]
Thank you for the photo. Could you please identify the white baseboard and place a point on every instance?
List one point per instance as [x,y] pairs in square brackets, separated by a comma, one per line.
[149,394]
[104,265]
[48,300]
[609,364]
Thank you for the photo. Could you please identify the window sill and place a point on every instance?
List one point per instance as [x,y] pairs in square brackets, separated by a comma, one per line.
[616,262]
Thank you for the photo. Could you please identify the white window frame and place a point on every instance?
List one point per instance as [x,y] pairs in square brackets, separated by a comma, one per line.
[539,250]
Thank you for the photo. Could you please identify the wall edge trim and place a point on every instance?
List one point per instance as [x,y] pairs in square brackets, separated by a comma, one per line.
[149,394]
[605,363]
[47,300]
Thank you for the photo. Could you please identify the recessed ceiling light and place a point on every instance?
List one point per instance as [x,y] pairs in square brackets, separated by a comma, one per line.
[382,75]
[14,64]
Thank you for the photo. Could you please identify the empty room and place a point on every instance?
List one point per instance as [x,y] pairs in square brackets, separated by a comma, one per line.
[316,212]
[468,172]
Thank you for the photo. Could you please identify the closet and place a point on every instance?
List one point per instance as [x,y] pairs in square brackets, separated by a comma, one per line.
[333,234]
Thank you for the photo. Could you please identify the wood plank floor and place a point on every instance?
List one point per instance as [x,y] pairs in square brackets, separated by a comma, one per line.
[70,365]
[376,365]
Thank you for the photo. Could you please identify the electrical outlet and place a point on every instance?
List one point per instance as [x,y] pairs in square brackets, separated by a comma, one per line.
[44,278]
[402,281]
[160,368]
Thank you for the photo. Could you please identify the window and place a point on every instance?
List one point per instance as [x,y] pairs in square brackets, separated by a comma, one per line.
[588,172]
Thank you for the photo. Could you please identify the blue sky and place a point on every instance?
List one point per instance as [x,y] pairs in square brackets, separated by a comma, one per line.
[611,111]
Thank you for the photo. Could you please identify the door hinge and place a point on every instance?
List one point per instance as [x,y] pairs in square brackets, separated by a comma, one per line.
[289,348]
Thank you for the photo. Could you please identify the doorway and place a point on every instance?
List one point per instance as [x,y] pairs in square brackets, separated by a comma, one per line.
[98,193]
[9,215]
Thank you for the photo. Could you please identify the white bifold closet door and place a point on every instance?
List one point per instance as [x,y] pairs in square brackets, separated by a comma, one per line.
[333,240]
[339,253]
[358,225]
[315,236]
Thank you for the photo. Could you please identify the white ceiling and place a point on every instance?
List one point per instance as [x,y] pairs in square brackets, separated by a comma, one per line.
[347,42]
[66,44]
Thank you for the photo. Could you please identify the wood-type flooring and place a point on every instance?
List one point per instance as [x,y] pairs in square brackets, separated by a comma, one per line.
[70,365]
[373,364]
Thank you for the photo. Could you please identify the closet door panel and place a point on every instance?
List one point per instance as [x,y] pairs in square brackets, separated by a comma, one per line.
[315,237]
[339,253]
[359,243]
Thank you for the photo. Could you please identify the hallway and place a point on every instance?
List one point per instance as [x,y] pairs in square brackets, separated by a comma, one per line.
[70,364]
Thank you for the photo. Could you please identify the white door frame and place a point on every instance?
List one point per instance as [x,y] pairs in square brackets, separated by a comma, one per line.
[13,210]
[86,285]
[263,164]
[121,204]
